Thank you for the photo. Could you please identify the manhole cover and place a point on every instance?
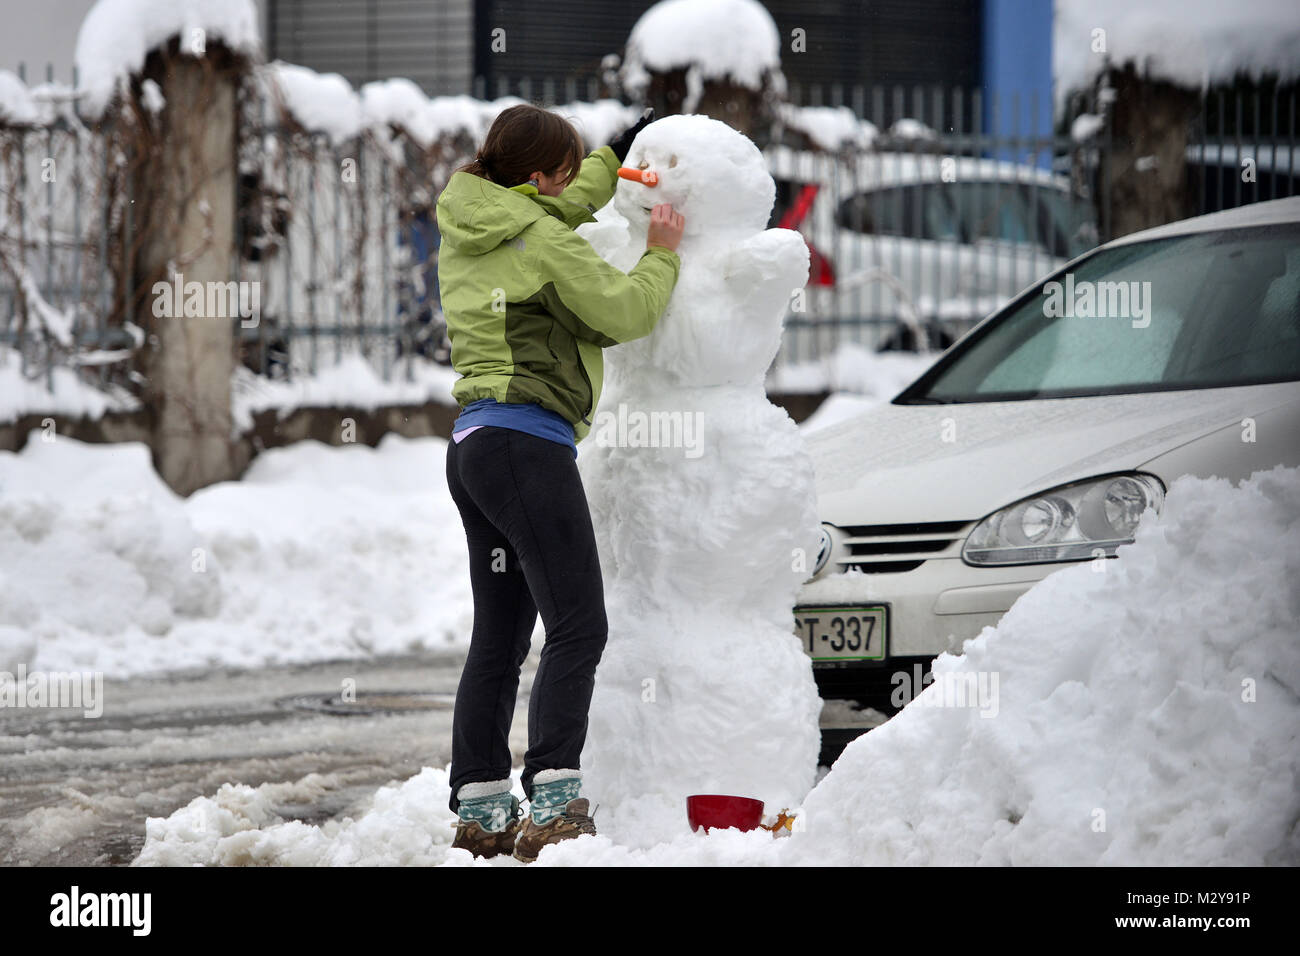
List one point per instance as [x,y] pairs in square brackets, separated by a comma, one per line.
[372,702]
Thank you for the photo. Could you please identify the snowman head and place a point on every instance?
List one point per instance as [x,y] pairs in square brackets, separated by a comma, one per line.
[714,176]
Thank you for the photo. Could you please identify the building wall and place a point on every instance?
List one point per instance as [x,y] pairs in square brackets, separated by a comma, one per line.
[880,42]
[427,41]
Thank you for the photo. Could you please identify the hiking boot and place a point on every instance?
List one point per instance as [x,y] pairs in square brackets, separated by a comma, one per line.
[471,836]
[571,822]
[488,821]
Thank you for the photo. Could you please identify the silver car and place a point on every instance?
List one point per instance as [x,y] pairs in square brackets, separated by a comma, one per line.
[1042,436]
[931,241]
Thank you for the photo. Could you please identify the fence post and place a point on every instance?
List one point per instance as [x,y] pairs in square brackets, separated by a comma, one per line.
[184,187]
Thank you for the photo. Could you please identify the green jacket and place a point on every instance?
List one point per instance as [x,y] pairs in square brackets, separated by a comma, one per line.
[529,304]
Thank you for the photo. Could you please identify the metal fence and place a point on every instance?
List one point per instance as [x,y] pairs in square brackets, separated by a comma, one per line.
[956,205]
[331,242]
[56,217]
[945,207]
[335,238]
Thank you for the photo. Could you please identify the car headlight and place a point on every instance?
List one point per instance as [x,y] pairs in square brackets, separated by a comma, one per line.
[1069,523]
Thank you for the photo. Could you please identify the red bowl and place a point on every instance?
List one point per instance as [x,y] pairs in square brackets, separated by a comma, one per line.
[719,811]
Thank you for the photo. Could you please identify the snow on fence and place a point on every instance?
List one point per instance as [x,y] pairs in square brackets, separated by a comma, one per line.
[56,281]
[925,208]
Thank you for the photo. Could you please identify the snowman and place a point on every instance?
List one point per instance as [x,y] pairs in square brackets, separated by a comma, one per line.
[703,503]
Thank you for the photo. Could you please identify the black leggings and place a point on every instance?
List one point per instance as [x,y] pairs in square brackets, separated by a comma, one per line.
[531,548]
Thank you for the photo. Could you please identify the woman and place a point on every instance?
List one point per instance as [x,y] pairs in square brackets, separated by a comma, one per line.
[529,307]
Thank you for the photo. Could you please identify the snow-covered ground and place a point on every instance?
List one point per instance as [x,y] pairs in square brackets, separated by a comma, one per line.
[70,394]
[318,553]
[1140,711]
[352,382]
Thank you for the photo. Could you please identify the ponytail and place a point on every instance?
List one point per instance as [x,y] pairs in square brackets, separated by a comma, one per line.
[524,139]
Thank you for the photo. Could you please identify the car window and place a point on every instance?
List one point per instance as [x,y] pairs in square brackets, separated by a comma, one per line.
[990,210]
[941,219]
[1066,226]
[880,212]
[971,211]
[920,211]
[1077,352]
[1205,310]
[1277,327]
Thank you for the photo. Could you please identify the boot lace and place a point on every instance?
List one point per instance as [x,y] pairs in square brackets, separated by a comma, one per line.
[583,822]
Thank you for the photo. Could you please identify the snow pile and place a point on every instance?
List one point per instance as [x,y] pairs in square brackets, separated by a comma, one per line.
[327,103]
[70,395]
[95,550]
[600,121]
[1145,711]
[319,552]
[321,102]
[911,129]
[829,127]
[1144,714]
[351,382]
[1086,126]
[713,39]
[699,533]
[1189,42]
[399,102]
[20,106]
[407,824]
[116,36]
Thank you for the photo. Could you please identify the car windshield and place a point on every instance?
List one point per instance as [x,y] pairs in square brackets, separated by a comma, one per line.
[1206,310]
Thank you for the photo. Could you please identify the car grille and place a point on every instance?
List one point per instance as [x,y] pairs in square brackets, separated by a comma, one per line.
[891,548]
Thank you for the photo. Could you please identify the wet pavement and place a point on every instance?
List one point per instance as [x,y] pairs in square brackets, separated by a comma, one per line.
[77,791]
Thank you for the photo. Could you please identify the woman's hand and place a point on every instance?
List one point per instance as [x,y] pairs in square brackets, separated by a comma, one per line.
[665,227]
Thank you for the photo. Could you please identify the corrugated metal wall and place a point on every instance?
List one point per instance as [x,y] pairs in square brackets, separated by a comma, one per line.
[552,40]
[886,42]
[444,44]
[427,41]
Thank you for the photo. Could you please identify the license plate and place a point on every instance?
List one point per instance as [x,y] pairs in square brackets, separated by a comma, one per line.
[842,633]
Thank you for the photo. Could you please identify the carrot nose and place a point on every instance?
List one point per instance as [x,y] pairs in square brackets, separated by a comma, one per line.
[647,177]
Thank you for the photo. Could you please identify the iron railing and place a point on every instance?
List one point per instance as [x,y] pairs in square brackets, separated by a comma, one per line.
[915,236]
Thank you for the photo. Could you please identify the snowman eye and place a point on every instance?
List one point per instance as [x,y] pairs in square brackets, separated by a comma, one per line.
[644,164]
[672,161]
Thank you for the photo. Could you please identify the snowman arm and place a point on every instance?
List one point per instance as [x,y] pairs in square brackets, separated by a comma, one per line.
[768,264]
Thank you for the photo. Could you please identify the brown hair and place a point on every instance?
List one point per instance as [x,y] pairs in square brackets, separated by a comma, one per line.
[524,139]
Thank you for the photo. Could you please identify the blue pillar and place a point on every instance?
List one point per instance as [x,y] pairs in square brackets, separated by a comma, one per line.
[1017,64]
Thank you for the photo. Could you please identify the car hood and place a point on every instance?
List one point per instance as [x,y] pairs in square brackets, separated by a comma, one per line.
[927,463]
